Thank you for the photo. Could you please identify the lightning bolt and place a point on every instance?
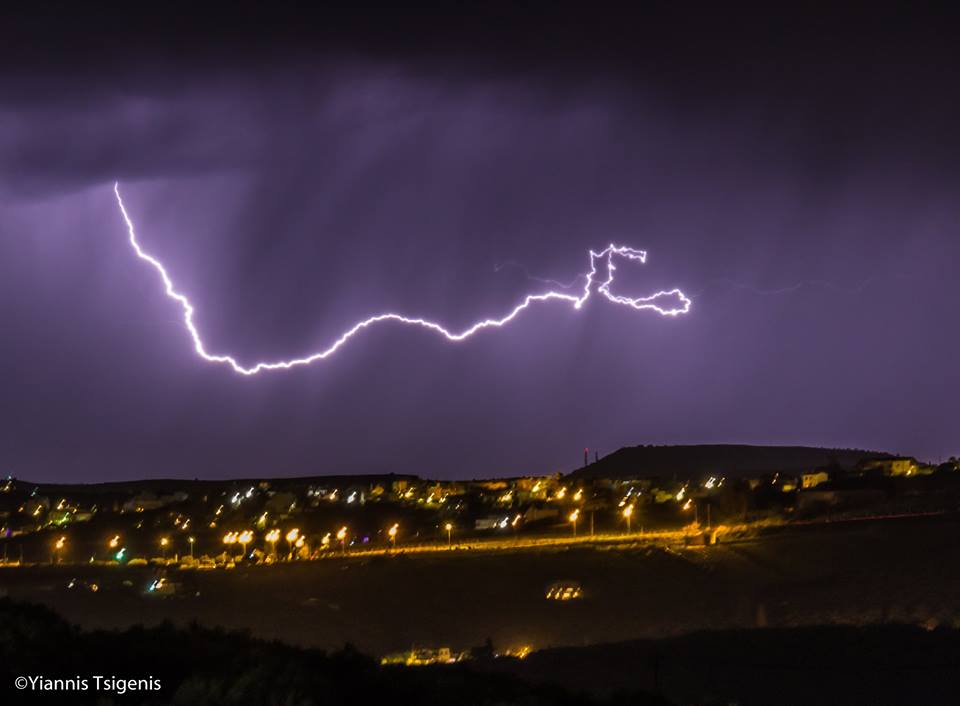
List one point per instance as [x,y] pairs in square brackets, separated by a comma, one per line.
[535,278]
[680,305]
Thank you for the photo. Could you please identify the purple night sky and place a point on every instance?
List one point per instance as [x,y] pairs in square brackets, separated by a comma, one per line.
[796,176]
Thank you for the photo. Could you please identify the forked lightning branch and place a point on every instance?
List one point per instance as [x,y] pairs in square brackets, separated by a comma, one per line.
[671,302]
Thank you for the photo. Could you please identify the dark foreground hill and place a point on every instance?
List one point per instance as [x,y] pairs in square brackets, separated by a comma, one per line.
[196,666]
[887,664]
[731,460]
[852,666]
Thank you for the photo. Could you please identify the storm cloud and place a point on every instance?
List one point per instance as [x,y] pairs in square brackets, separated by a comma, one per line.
[797,177]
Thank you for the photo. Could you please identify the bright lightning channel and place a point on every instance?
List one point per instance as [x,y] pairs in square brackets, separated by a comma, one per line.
[681,305]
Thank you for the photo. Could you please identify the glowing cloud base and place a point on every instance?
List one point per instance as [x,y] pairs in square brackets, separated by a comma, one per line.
[679,304]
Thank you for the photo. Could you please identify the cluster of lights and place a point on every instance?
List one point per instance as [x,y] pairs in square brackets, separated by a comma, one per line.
[295,539]
[237,499]
[564,592]
[626,498]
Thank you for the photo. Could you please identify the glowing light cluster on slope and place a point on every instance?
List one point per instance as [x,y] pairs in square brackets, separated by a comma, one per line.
[680,305]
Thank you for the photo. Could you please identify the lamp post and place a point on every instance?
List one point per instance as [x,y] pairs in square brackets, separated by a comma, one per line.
[393,536]
[273,536]
[573,520]
[58,548]
[449,528]
[245,538]
[164,542]
[628,515]
[291,538]
[230,538]
[112,546]
[191,540]
[342,536]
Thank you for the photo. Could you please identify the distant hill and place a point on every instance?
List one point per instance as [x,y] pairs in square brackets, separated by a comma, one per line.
[730,460]
[171,485]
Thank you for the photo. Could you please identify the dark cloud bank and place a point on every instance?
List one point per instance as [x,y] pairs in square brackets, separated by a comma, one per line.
[300,169]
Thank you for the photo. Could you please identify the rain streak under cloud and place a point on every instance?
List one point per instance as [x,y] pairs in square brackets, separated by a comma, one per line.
[813,224]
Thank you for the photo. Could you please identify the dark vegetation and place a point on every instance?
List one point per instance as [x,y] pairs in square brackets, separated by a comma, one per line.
[198,666]
[880,664]
[889,664]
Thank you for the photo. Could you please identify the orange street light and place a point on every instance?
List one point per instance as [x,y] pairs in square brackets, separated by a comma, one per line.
[245,538]
[273,536]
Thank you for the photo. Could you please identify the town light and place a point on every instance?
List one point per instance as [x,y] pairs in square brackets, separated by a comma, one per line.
[245,538]
[273,536]
[115,542]
[342,536]
[393,534]
[57,548]
[449,528]
[628,515]
[573,517]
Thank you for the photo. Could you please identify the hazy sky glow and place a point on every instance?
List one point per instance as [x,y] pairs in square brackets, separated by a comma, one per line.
[801,185]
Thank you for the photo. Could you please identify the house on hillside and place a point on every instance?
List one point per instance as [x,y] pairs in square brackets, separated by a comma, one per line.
[813,479]
[895,466]
[149,501]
